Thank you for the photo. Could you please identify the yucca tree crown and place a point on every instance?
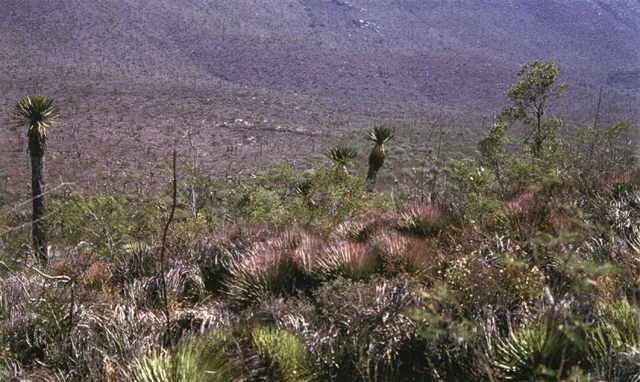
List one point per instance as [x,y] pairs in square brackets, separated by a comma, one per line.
[38,113]
[342,155]
[380,135]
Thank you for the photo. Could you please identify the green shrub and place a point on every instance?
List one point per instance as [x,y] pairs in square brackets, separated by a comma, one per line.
[320,197]
[104,222]
[474,189]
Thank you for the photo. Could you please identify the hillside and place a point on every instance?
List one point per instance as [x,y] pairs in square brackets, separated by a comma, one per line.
[307,67]
[319,190]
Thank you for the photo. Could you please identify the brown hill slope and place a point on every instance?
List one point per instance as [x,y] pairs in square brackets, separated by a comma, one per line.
[130,73]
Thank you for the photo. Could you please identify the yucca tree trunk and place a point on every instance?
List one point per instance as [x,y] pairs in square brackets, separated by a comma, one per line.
[38,231]
[376,160]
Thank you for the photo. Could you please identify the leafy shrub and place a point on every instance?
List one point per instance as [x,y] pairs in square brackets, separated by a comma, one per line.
[104,222]
[496,280]
[474,189]
[320,197]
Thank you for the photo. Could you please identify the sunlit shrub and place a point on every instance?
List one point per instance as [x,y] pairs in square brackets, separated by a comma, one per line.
[504,281]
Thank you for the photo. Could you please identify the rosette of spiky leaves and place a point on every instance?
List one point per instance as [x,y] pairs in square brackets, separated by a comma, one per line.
[612,342]
[355,261]
[285,356]
[38,113]
[544,351]
[422,220]
[269,272]
[380,136]
[342,155]
[196,360]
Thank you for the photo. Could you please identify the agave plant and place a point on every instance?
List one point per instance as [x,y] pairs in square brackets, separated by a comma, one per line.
[198,360]
[268,272]
[356,261]
[379,135]
[38,113]
[285,355]
[341,156]
[612,343]
[544,351]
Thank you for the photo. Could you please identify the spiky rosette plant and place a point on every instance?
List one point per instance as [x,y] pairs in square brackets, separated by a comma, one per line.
[341,156]
[38,113]
[543,351]
[284,356]
[380,136]
[355,261]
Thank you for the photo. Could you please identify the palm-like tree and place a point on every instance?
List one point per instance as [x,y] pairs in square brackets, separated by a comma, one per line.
[379,135]
[38,113]
[341,156]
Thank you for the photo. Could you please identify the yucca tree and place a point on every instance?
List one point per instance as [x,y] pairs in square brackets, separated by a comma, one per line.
[38,113]
[379,135]
[341,156]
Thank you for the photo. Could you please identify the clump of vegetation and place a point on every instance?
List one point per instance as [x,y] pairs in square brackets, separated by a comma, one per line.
[284,354]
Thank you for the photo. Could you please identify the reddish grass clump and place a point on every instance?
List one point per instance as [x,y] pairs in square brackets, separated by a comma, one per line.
[347,259]
[365,228]
[422,220]
[401,253]
[98,275]
[521,204]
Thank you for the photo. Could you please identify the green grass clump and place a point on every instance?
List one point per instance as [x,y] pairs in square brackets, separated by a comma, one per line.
[285,356]
[195,360]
